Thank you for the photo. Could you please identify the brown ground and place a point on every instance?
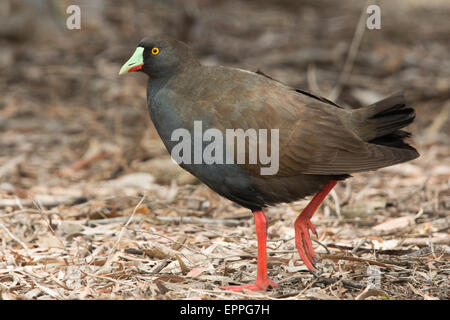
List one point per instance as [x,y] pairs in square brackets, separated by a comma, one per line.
[91,206]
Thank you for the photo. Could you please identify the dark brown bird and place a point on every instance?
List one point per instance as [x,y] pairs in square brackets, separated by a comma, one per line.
[319,142]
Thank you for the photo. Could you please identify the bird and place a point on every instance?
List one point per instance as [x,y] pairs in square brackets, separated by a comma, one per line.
[319,142]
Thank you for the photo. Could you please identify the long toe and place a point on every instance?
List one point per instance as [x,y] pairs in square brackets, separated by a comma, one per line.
[303,243]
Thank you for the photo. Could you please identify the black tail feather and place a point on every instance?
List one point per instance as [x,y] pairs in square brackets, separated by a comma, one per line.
[393,119]
[394,139]
[388,117]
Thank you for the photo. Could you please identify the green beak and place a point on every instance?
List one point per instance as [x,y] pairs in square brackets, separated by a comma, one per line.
[135,63]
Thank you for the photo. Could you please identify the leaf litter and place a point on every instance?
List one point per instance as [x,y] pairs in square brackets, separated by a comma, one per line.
[91,206]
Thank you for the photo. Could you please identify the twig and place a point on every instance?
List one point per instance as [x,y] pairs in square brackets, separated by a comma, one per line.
[12,236]
[19,203]
[349,61]
[346,283]
[312,79]
[321,244]
[108,279]
[337,205]
[360,243]
[51,292]
[38,205]
[369,261]
[159,267]
[306,288]
[127,223]
[174,241]
[113,256]
[45,200]
[49,222]
[438,121]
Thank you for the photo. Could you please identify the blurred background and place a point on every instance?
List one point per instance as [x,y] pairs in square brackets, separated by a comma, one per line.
[61,96]
[77,144]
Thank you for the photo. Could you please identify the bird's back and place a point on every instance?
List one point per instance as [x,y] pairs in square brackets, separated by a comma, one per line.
[318,140]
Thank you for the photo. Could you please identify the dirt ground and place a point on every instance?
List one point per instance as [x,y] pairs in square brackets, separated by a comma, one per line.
[92,207]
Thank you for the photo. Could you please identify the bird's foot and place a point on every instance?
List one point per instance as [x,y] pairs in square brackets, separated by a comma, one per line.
[251,287]
[303,241]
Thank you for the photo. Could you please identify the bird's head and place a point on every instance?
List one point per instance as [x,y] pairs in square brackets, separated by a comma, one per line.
[159,58]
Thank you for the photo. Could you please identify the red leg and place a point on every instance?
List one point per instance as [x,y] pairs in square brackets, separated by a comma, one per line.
[262,280]
[303,223]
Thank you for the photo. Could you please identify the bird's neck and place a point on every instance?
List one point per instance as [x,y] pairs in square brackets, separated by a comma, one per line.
[155,84]
[158,81]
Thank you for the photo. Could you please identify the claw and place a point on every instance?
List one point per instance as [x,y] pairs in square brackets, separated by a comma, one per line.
[303,242]
[311,227]
[303,225]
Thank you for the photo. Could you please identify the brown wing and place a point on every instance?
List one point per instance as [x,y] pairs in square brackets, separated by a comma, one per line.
[316,137]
